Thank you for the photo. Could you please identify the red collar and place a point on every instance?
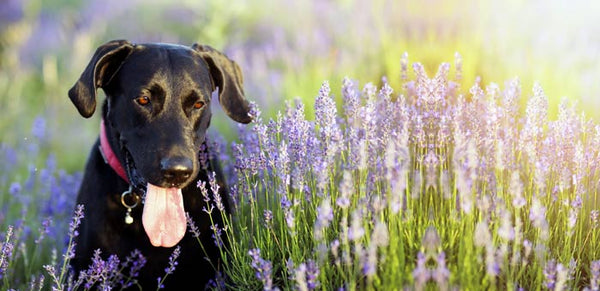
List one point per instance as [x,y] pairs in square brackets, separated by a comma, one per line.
[109,155]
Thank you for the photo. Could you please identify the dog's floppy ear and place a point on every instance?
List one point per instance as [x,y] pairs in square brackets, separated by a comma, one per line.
[102,67]
[226,74]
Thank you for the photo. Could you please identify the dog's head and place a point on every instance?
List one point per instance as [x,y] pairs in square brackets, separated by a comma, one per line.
[159,98]
[158,104]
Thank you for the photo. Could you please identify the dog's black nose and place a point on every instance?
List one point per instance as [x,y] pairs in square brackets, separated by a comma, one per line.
[176,170]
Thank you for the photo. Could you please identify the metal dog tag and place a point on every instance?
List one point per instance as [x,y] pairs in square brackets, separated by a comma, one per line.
[128,217]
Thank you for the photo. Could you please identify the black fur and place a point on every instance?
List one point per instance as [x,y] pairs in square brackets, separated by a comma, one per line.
[166,129]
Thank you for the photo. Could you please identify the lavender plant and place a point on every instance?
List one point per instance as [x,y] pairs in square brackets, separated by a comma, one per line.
[426,188]
[40,197]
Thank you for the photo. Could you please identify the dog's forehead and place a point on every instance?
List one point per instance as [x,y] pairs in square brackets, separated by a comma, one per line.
[149,62]
[166,56]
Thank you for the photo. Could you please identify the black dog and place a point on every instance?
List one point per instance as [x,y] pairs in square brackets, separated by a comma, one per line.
[141,176]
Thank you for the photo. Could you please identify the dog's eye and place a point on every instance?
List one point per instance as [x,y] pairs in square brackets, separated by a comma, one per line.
[198,105]
[143,100]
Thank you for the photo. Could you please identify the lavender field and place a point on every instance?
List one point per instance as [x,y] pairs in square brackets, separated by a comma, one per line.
[395,146]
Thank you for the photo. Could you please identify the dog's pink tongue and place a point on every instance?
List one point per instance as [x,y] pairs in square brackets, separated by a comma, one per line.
[163,216]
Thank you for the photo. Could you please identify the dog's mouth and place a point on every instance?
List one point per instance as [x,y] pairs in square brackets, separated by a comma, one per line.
[163,215]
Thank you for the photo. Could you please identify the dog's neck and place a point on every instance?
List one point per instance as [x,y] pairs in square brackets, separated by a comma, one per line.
[109,155]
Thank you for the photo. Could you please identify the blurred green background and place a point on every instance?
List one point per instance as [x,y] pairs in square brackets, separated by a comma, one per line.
[287,49]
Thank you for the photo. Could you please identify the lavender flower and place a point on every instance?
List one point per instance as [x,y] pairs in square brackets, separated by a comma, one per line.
[431,240]
[297,130]
[570,270]
[217,233]
[577,202]
[234,197]
[491,263]
[421,274]
[290,268]
[299,276]
[417,184]
[516,189]
[537,212]
[404,66]
[536,116]
[369,262]
[356,231]
[36,283]
[214,187]
[53,275]
[527,247]
[537,215]
[268,218]
[218,283]
[208,208]
[380,236]
[441,273]
[562,274]
[324,214]
[286,205]
[290,219]
[506,230]
[38,129]
[6,251]
[170,268]
[263,269]
[458,66]
[482,236]
[134,262]
[282,164]
[351,101]
[59,276]
[572,220]
[14,189]
[254,112]
[335,247]
[9,155]
[326,113]
[306,276]
[346,189]
[101,272]
[192,228]
[595,275]
[73,233]
[44,229]
[324,218]
[312,275]
[550,274]
[594,214]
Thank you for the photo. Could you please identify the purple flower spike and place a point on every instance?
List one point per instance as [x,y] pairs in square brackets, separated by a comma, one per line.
[595,272]
[441,273]
[263,269]
[6,251]
[170,268]
[421,274]
[550,274]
